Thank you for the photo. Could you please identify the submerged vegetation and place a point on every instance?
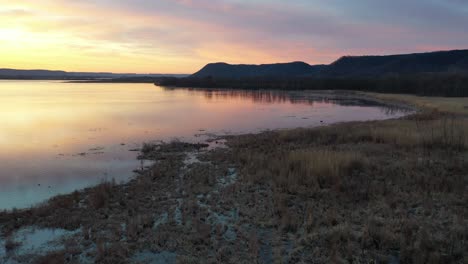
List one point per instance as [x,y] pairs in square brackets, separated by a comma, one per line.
[392,191]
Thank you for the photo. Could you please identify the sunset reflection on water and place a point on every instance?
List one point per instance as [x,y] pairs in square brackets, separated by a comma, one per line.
[56,137]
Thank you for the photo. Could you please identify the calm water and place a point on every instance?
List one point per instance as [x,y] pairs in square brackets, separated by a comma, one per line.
[57,137]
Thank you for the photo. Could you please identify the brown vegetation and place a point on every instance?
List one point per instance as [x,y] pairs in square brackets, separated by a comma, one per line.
[453,105]
[52,258]
[11,245]
[100,194]
[377,191]
[389,191]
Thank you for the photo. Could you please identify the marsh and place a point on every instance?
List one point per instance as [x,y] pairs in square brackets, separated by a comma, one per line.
[57,137]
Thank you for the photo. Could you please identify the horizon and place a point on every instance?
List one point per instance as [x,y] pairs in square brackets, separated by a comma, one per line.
[180,37]
[222,62]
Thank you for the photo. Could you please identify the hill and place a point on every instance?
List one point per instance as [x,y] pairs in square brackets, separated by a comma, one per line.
[63,75]
[454,61]
[433,62]
[443,73]
[224,70]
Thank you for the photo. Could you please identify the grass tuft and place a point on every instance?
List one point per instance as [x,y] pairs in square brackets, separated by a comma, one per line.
[321,168]
[101,194]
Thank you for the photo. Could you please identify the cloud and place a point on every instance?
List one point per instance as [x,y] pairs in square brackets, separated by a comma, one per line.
[15,12]
[195,32]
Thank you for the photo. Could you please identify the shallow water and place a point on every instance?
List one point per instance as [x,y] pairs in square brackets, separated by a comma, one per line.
[57,137]
[32,241]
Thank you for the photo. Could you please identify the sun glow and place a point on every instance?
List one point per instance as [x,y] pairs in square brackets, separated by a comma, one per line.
[86,36]
[11,34]
[165,36]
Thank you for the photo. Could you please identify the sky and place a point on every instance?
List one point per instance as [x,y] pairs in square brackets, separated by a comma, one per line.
[181,36]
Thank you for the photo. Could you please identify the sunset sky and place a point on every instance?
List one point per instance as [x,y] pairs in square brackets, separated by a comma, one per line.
[180,36]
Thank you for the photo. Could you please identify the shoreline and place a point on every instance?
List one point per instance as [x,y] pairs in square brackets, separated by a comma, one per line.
[334,96]
[250,200]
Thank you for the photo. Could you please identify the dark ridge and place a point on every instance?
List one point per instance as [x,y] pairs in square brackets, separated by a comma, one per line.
[454,61]
[432,62]
[443,73]
[224,70]
[63,75]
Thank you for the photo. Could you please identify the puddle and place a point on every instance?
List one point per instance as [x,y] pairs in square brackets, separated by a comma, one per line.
[147,257]
[35,241]
[231,178]
[161,220]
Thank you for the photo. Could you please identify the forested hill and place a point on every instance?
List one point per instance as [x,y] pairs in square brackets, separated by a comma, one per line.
[224,70]
[443,73]
[348,66]
[433,62]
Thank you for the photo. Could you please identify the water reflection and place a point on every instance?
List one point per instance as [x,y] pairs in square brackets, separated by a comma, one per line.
[56,137]
[291,97]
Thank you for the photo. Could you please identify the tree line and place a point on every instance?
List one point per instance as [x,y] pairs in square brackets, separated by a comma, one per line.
[428,84]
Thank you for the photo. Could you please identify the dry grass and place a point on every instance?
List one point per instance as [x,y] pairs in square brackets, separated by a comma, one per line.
[424,130]
[11,245]
[389,191]
[65,201]
[364,191]
[57,257]
[312,168]
[336,156]
[446,132]
[455,105]
[320,168]
[137,225]
[101,194]
[111,253]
